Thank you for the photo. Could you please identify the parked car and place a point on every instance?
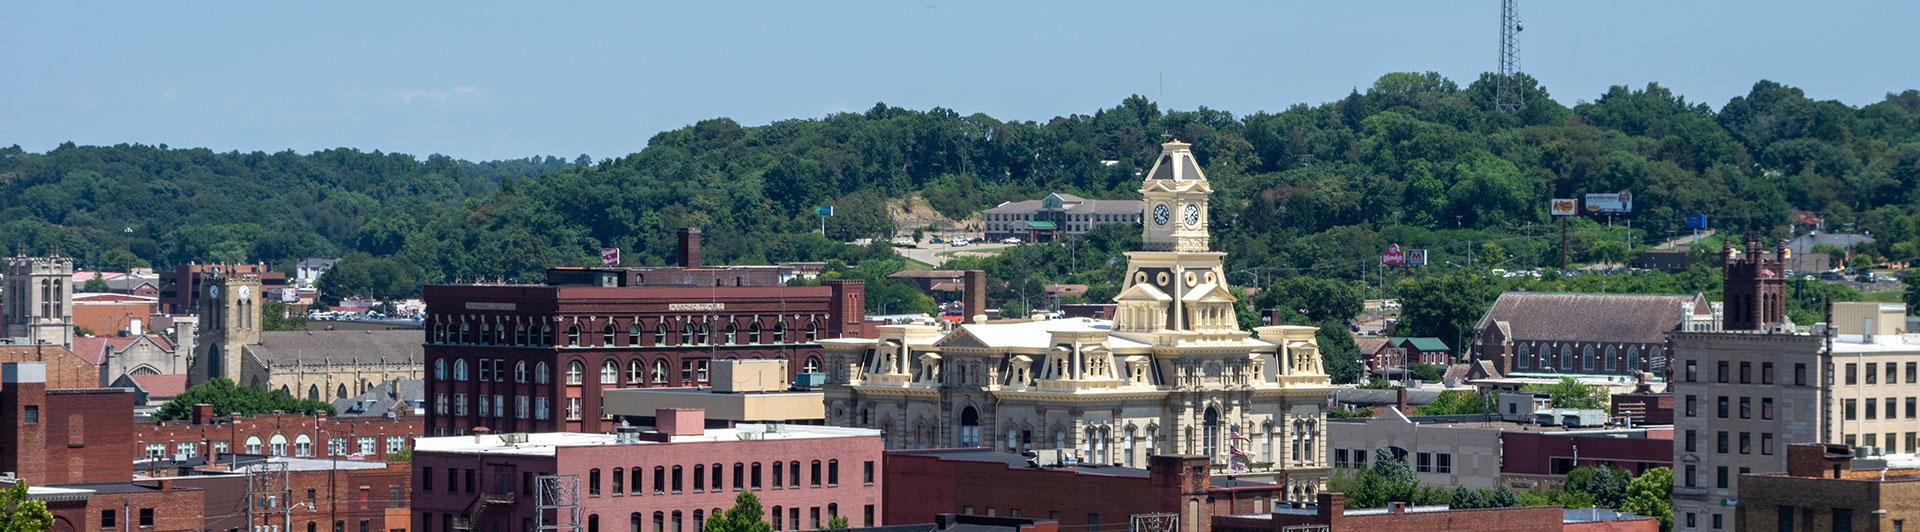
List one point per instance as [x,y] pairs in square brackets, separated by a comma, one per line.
[959,242]
[1010,240]
[935,240]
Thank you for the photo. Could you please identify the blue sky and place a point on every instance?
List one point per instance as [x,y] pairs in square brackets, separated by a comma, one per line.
[485,80]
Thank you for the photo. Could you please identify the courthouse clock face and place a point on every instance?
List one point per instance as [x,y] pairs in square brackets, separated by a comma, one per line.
[1161,214]
[1193,215]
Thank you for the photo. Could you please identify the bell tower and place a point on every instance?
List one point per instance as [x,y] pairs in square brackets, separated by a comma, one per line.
[231,315]
[1176,201]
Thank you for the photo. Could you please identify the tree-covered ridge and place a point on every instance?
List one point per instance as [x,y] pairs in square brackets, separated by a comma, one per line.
[198,205]
[1313,190]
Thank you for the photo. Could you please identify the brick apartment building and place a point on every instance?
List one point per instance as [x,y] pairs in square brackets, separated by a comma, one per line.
[324,494]
[536,358]
[666,480]
[976,481]
[290,435]
[1868,498]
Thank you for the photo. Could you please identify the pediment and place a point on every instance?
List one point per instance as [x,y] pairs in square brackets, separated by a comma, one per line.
[961,338]
[1143,292]
[1208,293]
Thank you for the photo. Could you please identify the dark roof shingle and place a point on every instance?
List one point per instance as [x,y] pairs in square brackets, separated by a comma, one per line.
[1556,316]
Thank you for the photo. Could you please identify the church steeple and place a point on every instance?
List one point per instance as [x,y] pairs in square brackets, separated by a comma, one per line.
[1176,201]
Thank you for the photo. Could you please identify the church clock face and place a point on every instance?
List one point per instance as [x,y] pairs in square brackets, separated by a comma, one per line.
[1161,214]
[245,292]
[213,292]
[1193,215]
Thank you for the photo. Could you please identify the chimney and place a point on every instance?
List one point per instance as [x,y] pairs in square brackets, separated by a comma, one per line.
[689,247]
[1330,507]
[973,297]
[1400,399]
[202,414]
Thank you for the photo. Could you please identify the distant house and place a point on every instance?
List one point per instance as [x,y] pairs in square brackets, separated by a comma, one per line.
[1551,333]
[1424,350]
[1804,259]
[1056,215]
[307,271]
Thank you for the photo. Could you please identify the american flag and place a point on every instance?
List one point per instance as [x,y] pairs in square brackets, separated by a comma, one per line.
[1233,432]
[1764,272]
[1234,450]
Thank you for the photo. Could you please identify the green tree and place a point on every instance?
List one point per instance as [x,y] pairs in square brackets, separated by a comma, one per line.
[1465,498]
[96,284]
[1571,394]
[1651,495]
[1608,487]
[1425,372]
[280,317]
[838,522]
[744,516]
[227,398]
[1912,296]
[1441,306]
[1836,255]
[363,275]
[1502,497]
[17,514]
[1453,402]
[1609,252]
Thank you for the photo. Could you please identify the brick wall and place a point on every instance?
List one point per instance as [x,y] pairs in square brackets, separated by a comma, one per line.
[173,509]
[64,369]
[236,431]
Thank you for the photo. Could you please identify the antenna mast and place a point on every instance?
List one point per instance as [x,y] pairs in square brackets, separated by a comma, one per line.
[1507,89]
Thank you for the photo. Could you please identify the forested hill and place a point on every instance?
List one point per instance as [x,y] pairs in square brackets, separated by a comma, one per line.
[198,205]
[1415,159]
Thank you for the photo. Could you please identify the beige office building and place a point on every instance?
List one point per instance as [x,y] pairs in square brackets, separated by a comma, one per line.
[1172,373]
[1743,396]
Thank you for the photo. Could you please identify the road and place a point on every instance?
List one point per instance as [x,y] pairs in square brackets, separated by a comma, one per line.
[930,253]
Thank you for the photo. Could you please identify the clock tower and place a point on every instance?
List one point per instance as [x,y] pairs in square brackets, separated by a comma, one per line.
[1176,287]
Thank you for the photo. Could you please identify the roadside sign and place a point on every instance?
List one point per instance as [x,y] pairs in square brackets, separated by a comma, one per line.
[823,211]
[1696,221]
[1416,257]
[1564,206]
[1393,255]
[1610,203]
[610,256]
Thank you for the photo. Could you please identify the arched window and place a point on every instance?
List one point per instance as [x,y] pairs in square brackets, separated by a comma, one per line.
[278,445]
[1609,361]
[460,370]
[609,373]
[465,335]
[546,335]
[731,336]
[440,369]
[660,371]
[574,370]
[636,372]
[1525,360]
[813,331]
[573,335]
[606,335]
[1211,438]
[253,445]
[540,373]
[686,333]
[779,332]
[593,520]
[340,392]
[439,333]
[753,333]
[660,332]
[705,332]
[313,392]
[486,333]
[1586,358]
[969,427]
[633,333]
[520,371]
[1566,357]
[812,365]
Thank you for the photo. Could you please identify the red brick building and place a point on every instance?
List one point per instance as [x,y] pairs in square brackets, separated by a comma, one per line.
[64,368]
[535,358]
[372,438]
[667,480]
[325,494]
[180,288]
[925,483]
[147,506]
[1544,458]
[64,435]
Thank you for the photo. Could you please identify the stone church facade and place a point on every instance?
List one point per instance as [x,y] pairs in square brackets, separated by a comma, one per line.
[321,365]
[1172,374]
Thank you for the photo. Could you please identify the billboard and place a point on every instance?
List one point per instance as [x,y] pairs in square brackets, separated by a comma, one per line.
[1610,203]
[1696,221]
[1564,207]
[823,211]
[610,256]
[1393,255]
[1416,257]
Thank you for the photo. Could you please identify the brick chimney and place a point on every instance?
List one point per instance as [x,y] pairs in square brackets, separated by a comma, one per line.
[1330,508]
[973,297]
[847,311]
[680,421]
[202,414]
[689,247]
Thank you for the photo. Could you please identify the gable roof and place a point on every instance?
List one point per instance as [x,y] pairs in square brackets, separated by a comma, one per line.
[1557,316]
[382,398]
[1369,344]
[339,346]
[1421,343]
[161,385]
[94,349]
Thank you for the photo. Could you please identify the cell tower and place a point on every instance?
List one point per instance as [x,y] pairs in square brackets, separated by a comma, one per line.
[1507,88]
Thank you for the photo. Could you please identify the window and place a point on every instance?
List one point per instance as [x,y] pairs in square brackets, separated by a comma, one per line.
[699,478]
[146,518]
[609,373]
[520,407]
[739,476]
[867,475]
[633,484]
[1842,520]
[1716,519]
[1692,373]
[1848,408]
[486,370]
[1340,459]
[1443,463]
[1785,518]
[189,450]
[1721,447]
[1689,480]
[1692,407]
[593,483]
[1720,477]
[1721,373]
[366,445]
[1799,374]
[1746,443]
[1689,443]
[1746,372]
[440,369]
[335,447]
[1766,443]
[1424,464]
[426,479]
[754,481]
[716,477]
[156,450]
[833,473]
[1766,373]
[573,335]
[636,372]
[540,409]
[676,479]
[520,371]
[106,520]
[1913,409]
[253,445]
[573,408]
[1913,372]
[813,478]
[1723,406]
[793,474]
[574,370]
[460,370]
[1853,374]
[1746,408]
[778,473]
[1893,373]
[659,480]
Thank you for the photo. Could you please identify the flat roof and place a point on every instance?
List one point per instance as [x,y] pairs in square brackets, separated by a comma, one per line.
[547,443]
[1014,461]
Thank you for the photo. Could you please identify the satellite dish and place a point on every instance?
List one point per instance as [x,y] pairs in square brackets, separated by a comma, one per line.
[1519,26]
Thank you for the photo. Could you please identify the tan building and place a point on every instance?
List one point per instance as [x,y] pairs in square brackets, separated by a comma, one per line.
[1850,499]
[743,391]
[320,365]
[38,298]
[1742,396]
[1172,373]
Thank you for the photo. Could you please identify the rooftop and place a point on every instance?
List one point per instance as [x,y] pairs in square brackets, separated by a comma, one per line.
[547,443]
[1039,334]
[1014,461]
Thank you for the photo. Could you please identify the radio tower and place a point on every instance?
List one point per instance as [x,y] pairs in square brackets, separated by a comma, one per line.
[1507,88]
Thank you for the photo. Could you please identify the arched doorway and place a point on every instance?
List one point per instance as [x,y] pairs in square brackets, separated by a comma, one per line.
[969,427]
[1210,438]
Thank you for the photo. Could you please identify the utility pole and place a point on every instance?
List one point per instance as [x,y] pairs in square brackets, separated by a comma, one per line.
[1563,243]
